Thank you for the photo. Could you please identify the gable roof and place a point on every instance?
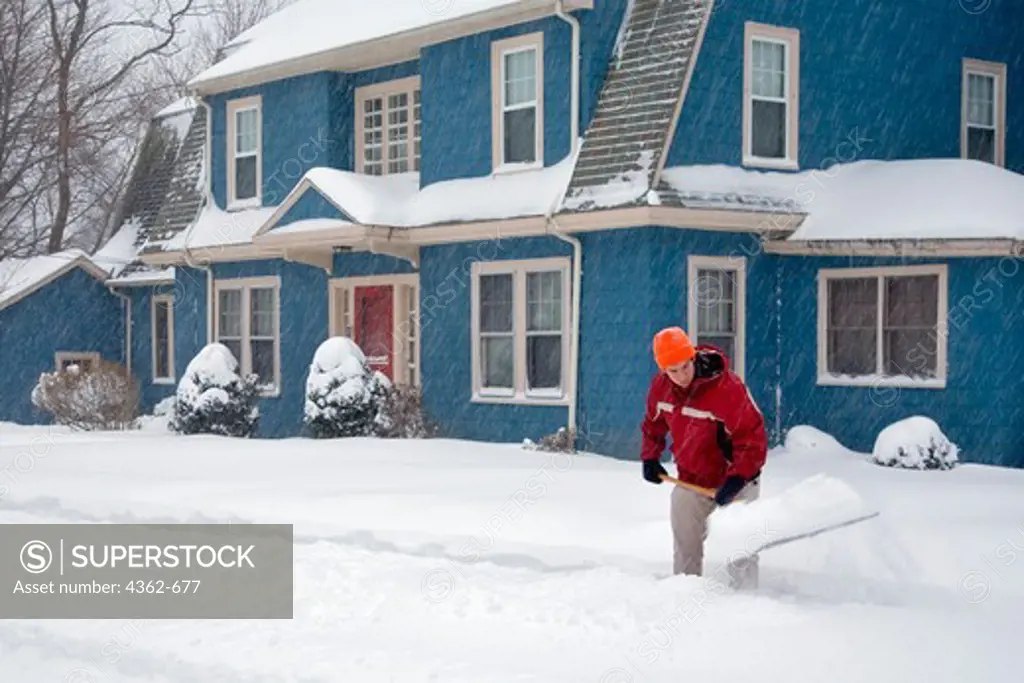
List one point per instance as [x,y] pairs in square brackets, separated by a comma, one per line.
[21,277]
[349,35]
[633,124]
[164,195]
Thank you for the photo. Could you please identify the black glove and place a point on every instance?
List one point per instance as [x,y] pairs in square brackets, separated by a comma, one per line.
[653,471]
[729,490]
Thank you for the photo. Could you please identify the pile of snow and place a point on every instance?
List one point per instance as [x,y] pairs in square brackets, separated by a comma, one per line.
[398,201]
[21,276]
[344,396]
[313,27]
[806,439]
[878,200]
[742,528]
[212,397]
[916,443]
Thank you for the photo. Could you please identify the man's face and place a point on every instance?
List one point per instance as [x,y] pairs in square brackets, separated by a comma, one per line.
[681,373]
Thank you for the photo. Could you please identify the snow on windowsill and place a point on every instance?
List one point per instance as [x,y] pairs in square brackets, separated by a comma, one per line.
[884,381]
[506,169]
[774,164]
[244,204]
[532,398]
[164,381]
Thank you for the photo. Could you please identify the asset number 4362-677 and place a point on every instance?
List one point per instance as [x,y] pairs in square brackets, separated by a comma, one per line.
[159,587]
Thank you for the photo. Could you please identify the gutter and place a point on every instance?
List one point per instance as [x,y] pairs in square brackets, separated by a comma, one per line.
[550,222]
[207,200]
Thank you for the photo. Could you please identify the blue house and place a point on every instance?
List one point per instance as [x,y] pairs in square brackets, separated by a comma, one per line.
[502,201]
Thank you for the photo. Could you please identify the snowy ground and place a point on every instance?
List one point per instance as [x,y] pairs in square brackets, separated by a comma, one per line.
[458,561]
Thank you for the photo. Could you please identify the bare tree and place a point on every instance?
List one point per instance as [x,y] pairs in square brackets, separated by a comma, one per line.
[26,94]
[97,47]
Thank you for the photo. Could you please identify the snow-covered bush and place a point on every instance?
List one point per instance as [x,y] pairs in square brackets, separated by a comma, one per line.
[915,443]
[213,398]
[101,397]
[562,441]
[344,396]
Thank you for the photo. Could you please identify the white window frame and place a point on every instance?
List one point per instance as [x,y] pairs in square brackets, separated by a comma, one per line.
[61,356]
[246,285]
[234,107]
[738,266]
[169,300]
[499,49]
[790,39]
[341,302]
[402,86]
[519,269]
[997,72]
[878,379]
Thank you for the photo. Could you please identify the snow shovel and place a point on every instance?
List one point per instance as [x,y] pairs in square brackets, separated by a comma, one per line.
[811,507]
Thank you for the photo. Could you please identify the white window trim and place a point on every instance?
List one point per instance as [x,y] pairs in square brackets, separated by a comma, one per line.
[878,379]
[169,300]
[245,285]
[790,38]
[407,86]
[233,107]
[737,265]
[345,286]
[519,269]
[996,70]
[499,49]
[61,356]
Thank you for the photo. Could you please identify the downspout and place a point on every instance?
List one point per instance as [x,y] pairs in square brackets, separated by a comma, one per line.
[574,123]
[551,222]
[207,200]
[127,308]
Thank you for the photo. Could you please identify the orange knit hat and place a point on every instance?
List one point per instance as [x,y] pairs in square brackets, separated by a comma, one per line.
[671,347]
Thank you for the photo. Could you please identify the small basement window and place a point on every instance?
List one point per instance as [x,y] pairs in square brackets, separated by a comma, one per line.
[86,361]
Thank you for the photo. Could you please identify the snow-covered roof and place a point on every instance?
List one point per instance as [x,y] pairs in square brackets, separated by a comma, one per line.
[918,199]
[315,28]
[398,201]
[21,277]
[218,228]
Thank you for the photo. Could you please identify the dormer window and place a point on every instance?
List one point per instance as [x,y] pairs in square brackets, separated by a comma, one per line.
[771,96]
[388,128]
[984,114]
[244,152]
[517,66]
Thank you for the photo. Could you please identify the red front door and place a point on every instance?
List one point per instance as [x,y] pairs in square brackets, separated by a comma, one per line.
[374,324]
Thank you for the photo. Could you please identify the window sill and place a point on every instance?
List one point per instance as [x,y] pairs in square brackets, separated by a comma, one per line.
[164,381]
[775,164]
[873,381]
[272,392]
[520,399]
[242,204]
[506,169]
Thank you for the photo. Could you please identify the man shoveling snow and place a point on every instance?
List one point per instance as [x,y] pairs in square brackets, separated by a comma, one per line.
[718,442]
[720,446]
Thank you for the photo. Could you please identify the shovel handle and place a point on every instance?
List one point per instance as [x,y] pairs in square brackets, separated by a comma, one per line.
[707,493]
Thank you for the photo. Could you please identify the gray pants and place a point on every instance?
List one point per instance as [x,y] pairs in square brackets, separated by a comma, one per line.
[690,513]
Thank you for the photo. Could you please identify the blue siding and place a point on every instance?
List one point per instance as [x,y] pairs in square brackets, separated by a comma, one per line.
[635,283]
[445,315]
[311,205]
[190,318]
[885,73]
[980,409]
[457,100]
[76,312]
[303,329]
[361,263]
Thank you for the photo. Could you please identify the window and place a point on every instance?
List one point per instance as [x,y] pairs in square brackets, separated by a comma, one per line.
[771,103]
[984,111]
[716,307]
[517,126]
[85,361]
[244,152]
[247,322]
[883,326]
[388,128]
[162,331]
[521,330]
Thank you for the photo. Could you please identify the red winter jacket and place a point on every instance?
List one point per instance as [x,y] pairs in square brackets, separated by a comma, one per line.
[717,429]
